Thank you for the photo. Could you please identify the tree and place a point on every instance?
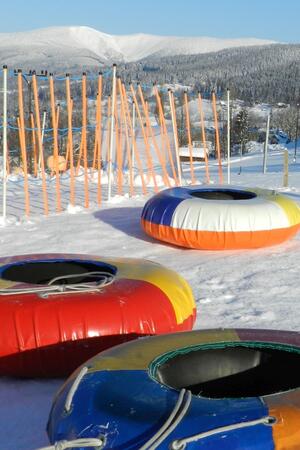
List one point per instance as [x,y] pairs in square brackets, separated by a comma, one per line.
[240,129]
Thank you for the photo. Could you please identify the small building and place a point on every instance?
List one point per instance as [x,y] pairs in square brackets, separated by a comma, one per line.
[198,151]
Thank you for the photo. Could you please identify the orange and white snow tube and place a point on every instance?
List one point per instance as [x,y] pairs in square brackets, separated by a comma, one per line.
[221,218]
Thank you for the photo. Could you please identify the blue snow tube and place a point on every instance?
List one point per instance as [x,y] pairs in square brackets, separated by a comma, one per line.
[211,389]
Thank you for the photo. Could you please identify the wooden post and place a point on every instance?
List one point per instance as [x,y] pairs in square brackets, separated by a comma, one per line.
[214,106]
[127,140]
[84,143]
[158,153]
[203,135]
[40,141]
[285,168]
[35,162]
[146,141]
[136,154]
[4,162]
[266,145]
[23,141]
[111,134]
[55,143]
[228,136]
[70,139]
[165,133]
[188,128]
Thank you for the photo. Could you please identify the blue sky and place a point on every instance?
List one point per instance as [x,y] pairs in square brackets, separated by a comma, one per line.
[269,19]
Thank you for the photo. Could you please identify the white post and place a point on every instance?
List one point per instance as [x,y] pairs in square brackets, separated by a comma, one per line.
[4,168]
[266,145]
[43,132]
[175,137]
[228,136]
[112,122]
[133,134]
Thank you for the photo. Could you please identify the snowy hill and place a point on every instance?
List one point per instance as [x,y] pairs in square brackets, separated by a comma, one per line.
[73,46]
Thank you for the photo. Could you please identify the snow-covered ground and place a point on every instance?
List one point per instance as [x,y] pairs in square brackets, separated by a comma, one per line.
[257,288]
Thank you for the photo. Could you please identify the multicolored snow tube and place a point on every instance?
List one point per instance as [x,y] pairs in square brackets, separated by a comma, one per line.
[56,310]
[220,218]
[212,389]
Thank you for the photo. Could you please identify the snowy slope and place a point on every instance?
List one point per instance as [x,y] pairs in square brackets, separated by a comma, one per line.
[254,288]
[88,47]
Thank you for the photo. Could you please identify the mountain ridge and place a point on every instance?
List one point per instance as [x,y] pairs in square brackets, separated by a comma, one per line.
[81,45]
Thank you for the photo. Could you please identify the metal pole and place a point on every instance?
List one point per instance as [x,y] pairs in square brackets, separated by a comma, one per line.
[296,138]
[112,122]
[266,145]
[4,168]
[42,137]
[228,136]
[175,137]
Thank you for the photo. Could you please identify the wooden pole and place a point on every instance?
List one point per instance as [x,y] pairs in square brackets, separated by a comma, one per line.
[228,136]
[266,145]
[136,153]
[70,139]
[33,132]
[285,168]
[203,135]
[84,141]
[111,137]
[158,153]
[23,142]
[127,140]
[188,128]
[146,141]
[5,159]
[40,136]
[55,142]
[118,159]
[99,138]
[165,134]
[214,105]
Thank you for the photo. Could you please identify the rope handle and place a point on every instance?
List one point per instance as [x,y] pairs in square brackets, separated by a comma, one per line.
[95,443]
[52,289]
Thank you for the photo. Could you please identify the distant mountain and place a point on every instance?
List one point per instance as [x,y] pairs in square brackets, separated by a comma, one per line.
[67,47]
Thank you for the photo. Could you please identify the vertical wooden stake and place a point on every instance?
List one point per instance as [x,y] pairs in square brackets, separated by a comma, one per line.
[55,143]
[5,159]
[127,140]
[23,141]
[40,141]
[111,134]
[188,128]
[214,105]
[285,168]
[203,135]
[70,139]
[84,141]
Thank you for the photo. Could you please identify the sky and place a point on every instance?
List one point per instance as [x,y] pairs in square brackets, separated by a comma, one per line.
[267,19]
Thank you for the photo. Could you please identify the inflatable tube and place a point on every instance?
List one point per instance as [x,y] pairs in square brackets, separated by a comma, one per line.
[212,389]
[56,311]
[220,218]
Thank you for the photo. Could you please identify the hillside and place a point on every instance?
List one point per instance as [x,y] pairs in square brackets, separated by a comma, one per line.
[67,47]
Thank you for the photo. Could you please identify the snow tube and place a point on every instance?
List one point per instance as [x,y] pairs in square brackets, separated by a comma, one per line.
[220,218]
[229,389]
[56,311]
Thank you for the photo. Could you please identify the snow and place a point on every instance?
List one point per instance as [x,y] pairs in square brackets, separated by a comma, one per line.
[256,289]
[88,47]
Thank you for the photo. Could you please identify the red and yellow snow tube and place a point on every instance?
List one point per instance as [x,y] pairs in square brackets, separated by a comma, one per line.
[220,218]
[58,310]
